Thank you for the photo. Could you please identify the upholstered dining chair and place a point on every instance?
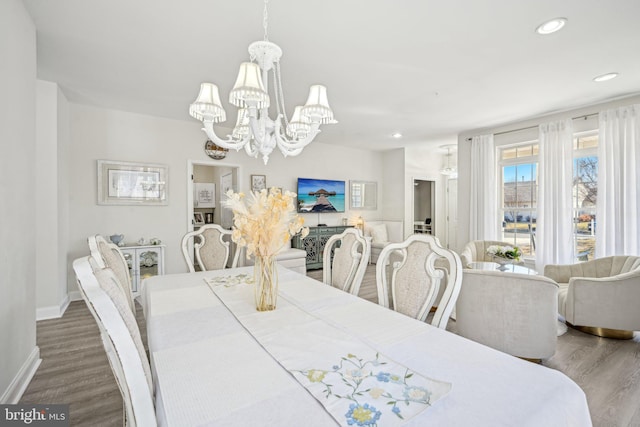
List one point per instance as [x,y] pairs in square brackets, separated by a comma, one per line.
[514,313]
[120,338]
[476,251]
[106,254]
[345,260]
[211,244]
[416,278]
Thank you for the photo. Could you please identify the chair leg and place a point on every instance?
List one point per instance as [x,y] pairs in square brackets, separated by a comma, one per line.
[618,334]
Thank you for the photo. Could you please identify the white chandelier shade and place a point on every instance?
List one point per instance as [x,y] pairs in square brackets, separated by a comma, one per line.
[255,131]
[208,105]
[317,106]
[248,88]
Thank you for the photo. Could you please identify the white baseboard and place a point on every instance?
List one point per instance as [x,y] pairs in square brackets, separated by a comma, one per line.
[54,311]
[20,382]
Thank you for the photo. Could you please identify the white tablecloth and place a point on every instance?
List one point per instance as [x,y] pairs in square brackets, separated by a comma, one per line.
[209,370]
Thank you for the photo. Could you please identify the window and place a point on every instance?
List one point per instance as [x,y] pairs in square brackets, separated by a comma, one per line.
[585,194]
[519,167]
[519,186]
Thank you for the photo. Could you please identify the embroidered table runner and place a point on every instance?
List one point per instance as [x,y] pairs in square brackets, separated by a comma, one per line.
[356,384]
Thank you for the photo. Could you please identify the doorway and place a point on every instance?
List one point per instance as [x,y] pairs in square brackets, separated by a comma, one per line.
[207,183]
[424,202]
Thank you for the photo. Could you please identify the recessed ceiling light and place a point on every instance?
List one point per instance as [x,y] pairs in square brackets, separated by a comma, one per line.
[396,135]
[605,77]
[551,26]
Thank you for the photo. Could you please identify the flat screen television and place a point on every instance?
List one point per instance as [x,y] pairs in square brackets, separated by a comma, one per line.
[320,195]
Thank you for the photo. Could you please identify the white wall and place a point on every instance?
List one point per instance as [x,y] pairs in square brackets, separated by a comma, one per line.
[116,135]
[19,355]
[393,201]
[46,167]
[64,269]
[517,132]
[51,200]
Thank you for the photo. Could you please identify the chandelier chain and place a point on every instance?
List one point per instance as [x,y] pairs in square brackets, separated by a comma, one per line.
[280,94]
[265,21]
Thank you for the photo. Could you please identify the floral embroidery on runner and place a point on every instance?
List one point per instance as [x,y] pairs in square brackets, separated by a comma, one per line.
[236,279]
[374,389]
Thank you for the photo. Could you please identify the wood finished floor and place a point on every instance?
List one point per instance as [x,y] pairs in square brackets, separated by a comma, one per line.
[75,369]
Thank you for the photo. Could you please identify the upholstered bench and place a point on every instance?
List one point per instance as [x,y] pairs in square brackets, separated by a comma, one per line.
[291,258]
[294,259]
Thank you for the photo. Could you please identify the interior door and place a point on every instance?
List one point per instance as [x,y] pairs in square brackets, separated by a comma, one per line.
[226,215]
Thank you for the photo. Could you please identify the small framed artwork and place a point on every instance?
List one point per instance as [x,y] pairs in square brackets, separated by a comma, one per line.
[198,218]
[124,183]
[258,182]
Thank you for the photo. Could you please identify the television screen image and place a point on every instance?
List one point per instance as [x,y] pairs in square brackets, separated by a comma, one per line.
[320,195]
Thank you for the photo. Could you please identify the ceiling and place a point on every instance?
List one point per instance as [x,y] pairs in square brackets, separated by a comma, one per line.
[428,69]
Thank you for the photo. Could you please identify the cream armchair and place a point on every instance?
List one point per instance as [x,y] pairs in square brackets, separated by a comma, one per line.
[514,313]
[476,251]
[600,297]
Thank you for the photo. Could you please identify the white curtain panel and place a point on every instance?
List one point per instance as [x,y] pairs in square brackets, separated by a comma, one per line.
[554,229]
[617,229]
[483,223]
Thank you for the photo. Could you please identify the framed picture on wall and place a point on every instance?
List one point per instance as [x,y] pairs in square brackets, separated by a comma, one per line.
[198,218]
[258,182]
[125,183]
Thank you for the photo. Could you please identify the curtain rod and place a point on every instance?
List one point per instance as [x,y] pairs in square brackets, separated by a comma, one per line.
[584,116]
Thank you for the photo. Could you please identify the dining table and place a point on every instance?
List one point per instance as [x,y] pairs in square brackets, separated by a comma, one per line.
[325,357]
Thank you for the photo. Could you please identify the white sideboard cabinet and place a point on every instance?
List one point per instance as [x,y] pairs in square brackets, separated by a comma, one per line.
[143,261]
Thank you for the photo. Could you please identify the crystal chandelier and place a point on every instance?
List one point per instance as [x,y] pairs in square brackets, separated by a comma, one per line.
[254,129]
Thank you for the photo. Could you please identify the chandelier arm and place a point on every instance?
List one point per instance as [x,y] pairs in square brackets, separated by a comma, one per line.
[250,149]
[291,153]
[229,143]
[283,142]
[288,144]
